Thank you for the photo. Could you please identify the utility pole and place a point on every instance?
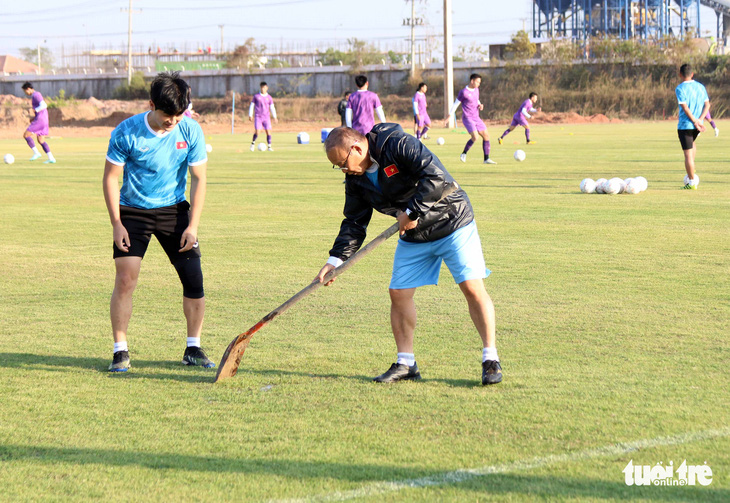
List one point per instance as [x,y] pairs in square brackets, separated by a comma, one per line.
[413,38]
[448,63]
[221,27]
[129,43]
[40,68]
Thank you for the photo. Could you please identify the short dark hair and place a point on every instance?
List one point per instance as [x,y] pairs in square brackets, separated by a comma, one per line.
[170,93]
[532,94]
[420,86]
[685,70]
[361,80]
[341,136]
[474,76]
[347,93]
[27,85]
[262,84]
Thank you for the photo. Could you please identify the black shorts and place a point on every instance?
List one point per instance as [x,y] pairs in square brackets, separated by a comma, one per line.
[687,137]
[167,224]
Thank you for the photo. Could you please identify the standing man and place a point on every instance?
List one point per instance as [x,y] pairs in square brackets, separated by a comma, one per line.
[39,125]
[392,172]
[260,112]
[154,150]
[420,114]
[468,98]
[520,117]
[360,106]
[694,105]
[342,109]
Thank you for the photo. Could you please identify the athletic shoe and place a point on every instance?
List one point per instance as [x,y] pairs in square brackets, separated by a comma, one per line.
[253,147]
[530,142]
[491,372]
[120,363]
[489,161]
[270,149]
[689,186]
[462,157]
[499,140]
[196,356]
[35,156]
[399,372]
[49,161]
[717,132]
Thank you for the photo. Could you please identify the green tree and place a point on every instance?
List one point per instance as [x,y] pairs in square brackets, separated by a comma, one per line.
[246,55]
[521,46]
[30,54]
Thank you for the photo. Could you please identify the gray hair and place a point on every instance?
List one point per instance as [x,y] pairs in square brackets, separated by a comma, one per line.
[342,137]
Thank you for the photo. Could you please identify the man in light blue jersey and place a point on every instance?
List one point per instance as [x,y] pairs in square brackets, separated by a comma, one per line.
[154,151]
[694,105]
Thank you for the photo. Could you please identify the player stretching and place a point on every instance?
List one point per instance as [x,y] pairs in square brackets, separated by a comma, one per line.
[39,125]
[420,114]
[360,106]
[392,172]
[520,118]
[154,150]
[693,102]
[469,100]
[261,109]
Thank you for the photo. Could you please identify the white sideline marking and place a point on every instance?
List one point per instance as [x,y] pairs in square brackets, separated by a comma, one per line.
[457,476]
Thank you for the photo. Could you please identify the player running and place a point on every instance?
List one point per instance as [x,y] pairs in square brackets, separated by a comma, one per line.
[712,123]
[468,98]
[39,125]
[694,105]
[260,112]
[520,118]
[154,151]
[420,114]
[360,106]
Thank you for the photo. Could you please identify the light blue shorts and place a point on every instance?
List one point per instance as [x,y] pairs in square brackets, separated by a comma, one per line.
[419,264]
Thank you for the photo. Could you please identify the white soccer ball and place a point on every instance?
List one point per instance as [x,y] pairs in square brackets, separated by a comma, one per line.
[208,148]
[620,182]
[303,138]
[643,184]
[600,189]
[632,187]
[626,182]
[262,146]
[612,186]
[9,159]
[588,186]
[520,155]
[694,182]
[440,140]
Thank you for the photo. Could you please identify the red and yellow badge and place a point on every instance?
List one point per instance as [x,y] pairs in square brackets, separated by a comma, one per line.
[181,145]
[391,170]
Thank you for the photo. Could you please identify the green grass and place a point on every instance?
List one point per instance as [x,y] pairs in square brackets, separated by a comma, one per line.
[612,311]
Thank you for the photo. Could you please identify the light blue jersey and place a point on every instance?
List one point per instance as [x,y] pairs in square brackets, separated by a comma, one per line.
[155,164]
[694,95]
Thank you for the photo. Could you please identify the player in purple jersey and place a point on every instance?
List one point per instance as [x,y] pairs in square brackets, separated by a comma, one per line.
[420,113]
[520,117]
[712,123]
[360,106]
[260,112]
[470,105]
[39,125]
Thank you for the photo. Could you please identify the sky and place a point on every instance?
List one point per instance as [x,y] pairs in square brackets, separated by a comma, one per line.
[289,24]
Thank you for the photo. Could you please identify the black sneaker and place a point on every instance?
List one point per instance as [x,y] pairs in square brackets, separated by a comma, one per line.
[196,356]
[120,363]
[399,372]
[491,372]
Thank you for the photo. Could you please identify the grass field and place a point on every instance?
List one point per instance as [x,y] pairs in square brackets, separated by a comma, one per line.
[613,319]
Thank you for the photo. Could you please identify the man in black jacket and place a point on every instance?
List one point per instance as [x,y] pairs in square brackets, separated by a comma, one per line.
[390,171]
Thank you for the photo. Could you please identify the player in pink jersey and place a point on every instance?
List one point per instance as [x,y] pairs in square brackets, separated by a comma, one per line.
[39,125]
[360,106]
[471,106]
[260,112]
[520,117]
[420,113]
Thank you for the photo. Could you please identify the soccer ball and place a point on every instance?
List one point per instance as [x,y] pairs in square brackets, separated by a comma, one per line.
[520,155]
[627,181]
[440,141]
[612,186]
[621,184]
[695,181]
[632,186]
[262,146]
[303,138]
[9,159]
[599,186]
[208,148]
[588,186]
[643,184]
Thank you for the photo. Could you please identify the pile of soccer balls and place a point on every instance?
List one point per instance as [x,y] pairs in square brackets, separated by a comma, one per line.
[614,185]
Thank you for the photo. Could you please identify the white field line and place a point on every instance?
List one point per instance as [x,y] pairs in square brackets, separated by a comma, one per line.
[455,477]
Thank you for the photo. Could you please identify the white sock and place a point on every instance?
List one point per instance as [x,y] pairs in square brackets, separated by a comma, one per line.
[406,359]
[35,151]
[120,346]
[489,354]
[194,341]
[50,156]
